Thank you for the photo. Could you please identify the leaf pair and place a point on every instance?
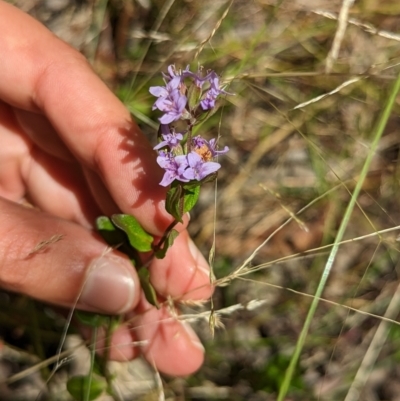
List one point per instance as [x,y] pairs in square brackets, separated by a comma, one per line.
[181,198]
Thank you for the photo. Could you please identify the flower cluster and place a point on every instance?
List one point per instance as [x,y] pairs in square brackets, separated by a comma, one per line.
[172,99]
[195,165]
[186,96]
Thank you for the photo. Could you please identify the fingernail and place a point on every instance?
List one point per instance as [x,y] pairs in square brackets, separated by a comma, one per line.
[201,263]
[110,286]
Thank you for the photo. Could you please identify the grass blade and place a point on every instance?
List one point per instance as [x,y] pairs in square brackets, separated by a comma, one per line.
[377,134]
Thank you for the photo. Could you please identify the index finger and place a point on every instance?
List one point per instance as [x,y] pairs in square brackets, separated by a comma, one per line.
[43,74]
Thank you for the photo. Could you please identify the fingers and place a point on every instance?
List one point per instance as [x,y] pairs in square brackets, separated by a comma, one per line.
[62,263]
[59,188]
[42,133]
[42,264]
[14,149]
[57,81]
[54,185]
[183,273]
[168,344]
[96,128]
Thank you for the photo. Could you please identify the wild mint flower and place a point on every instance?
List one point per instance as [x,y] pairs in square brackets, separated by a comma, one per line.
[174,167]
[212,146]
[171,138]
[207,149]
[170,100]
[208,102]
[173,106]
[173,73]
[199,80]
[198,168]
[164,92]
[194,160]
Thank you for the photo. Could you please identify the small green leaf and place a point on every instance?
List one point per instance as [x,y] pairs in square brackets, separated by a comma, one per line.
[115,237]
[174,201]
[92,319]
[160,254]
[138,238]
[104,223]
[84,388]
[111,234]
[147,288]
[191,196]
[181,198]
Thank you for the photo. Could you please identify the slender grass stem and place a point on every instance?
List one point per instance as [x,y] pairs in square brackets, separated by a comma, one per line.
[377,134]
[92,361]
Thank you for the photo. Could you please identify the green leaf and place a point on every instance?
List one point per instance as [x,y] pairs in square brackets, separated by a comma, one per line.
[147,288]
[84,388]
[191,196]
[115,237]
[174,201]
[138,238]
[160,254]
[111,234]
[92,319]
[182,198]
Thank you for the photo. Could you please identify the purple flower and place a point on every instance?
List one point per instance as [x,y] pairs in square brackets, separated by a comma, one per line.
[212,146]
[174,167]
[173,106]
[207,149]
[214,90]
[208,102]
[197,161]
[171,139]
[198,79]
[198,168]
[170,100]
[173,73]
[164,92]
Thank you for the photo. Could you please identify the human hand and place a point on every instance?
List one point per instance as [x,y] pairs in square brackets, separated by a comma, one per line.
[70,147]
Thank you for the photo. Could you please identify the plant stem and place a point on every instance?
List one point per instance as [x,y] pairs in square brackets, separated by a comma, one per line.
[92,360]
[107,348]
[165,236]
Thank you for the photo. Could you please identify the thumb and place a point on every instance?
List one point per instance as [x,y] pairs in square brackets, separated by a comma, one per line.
[61,262]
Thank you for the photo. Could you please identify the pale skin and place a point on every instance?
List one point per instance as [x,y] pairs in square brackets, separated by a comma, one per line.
[70,147]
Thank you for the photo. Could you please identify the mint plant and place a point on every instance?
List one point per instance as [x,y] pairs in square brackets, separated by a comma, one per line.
[188,161]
